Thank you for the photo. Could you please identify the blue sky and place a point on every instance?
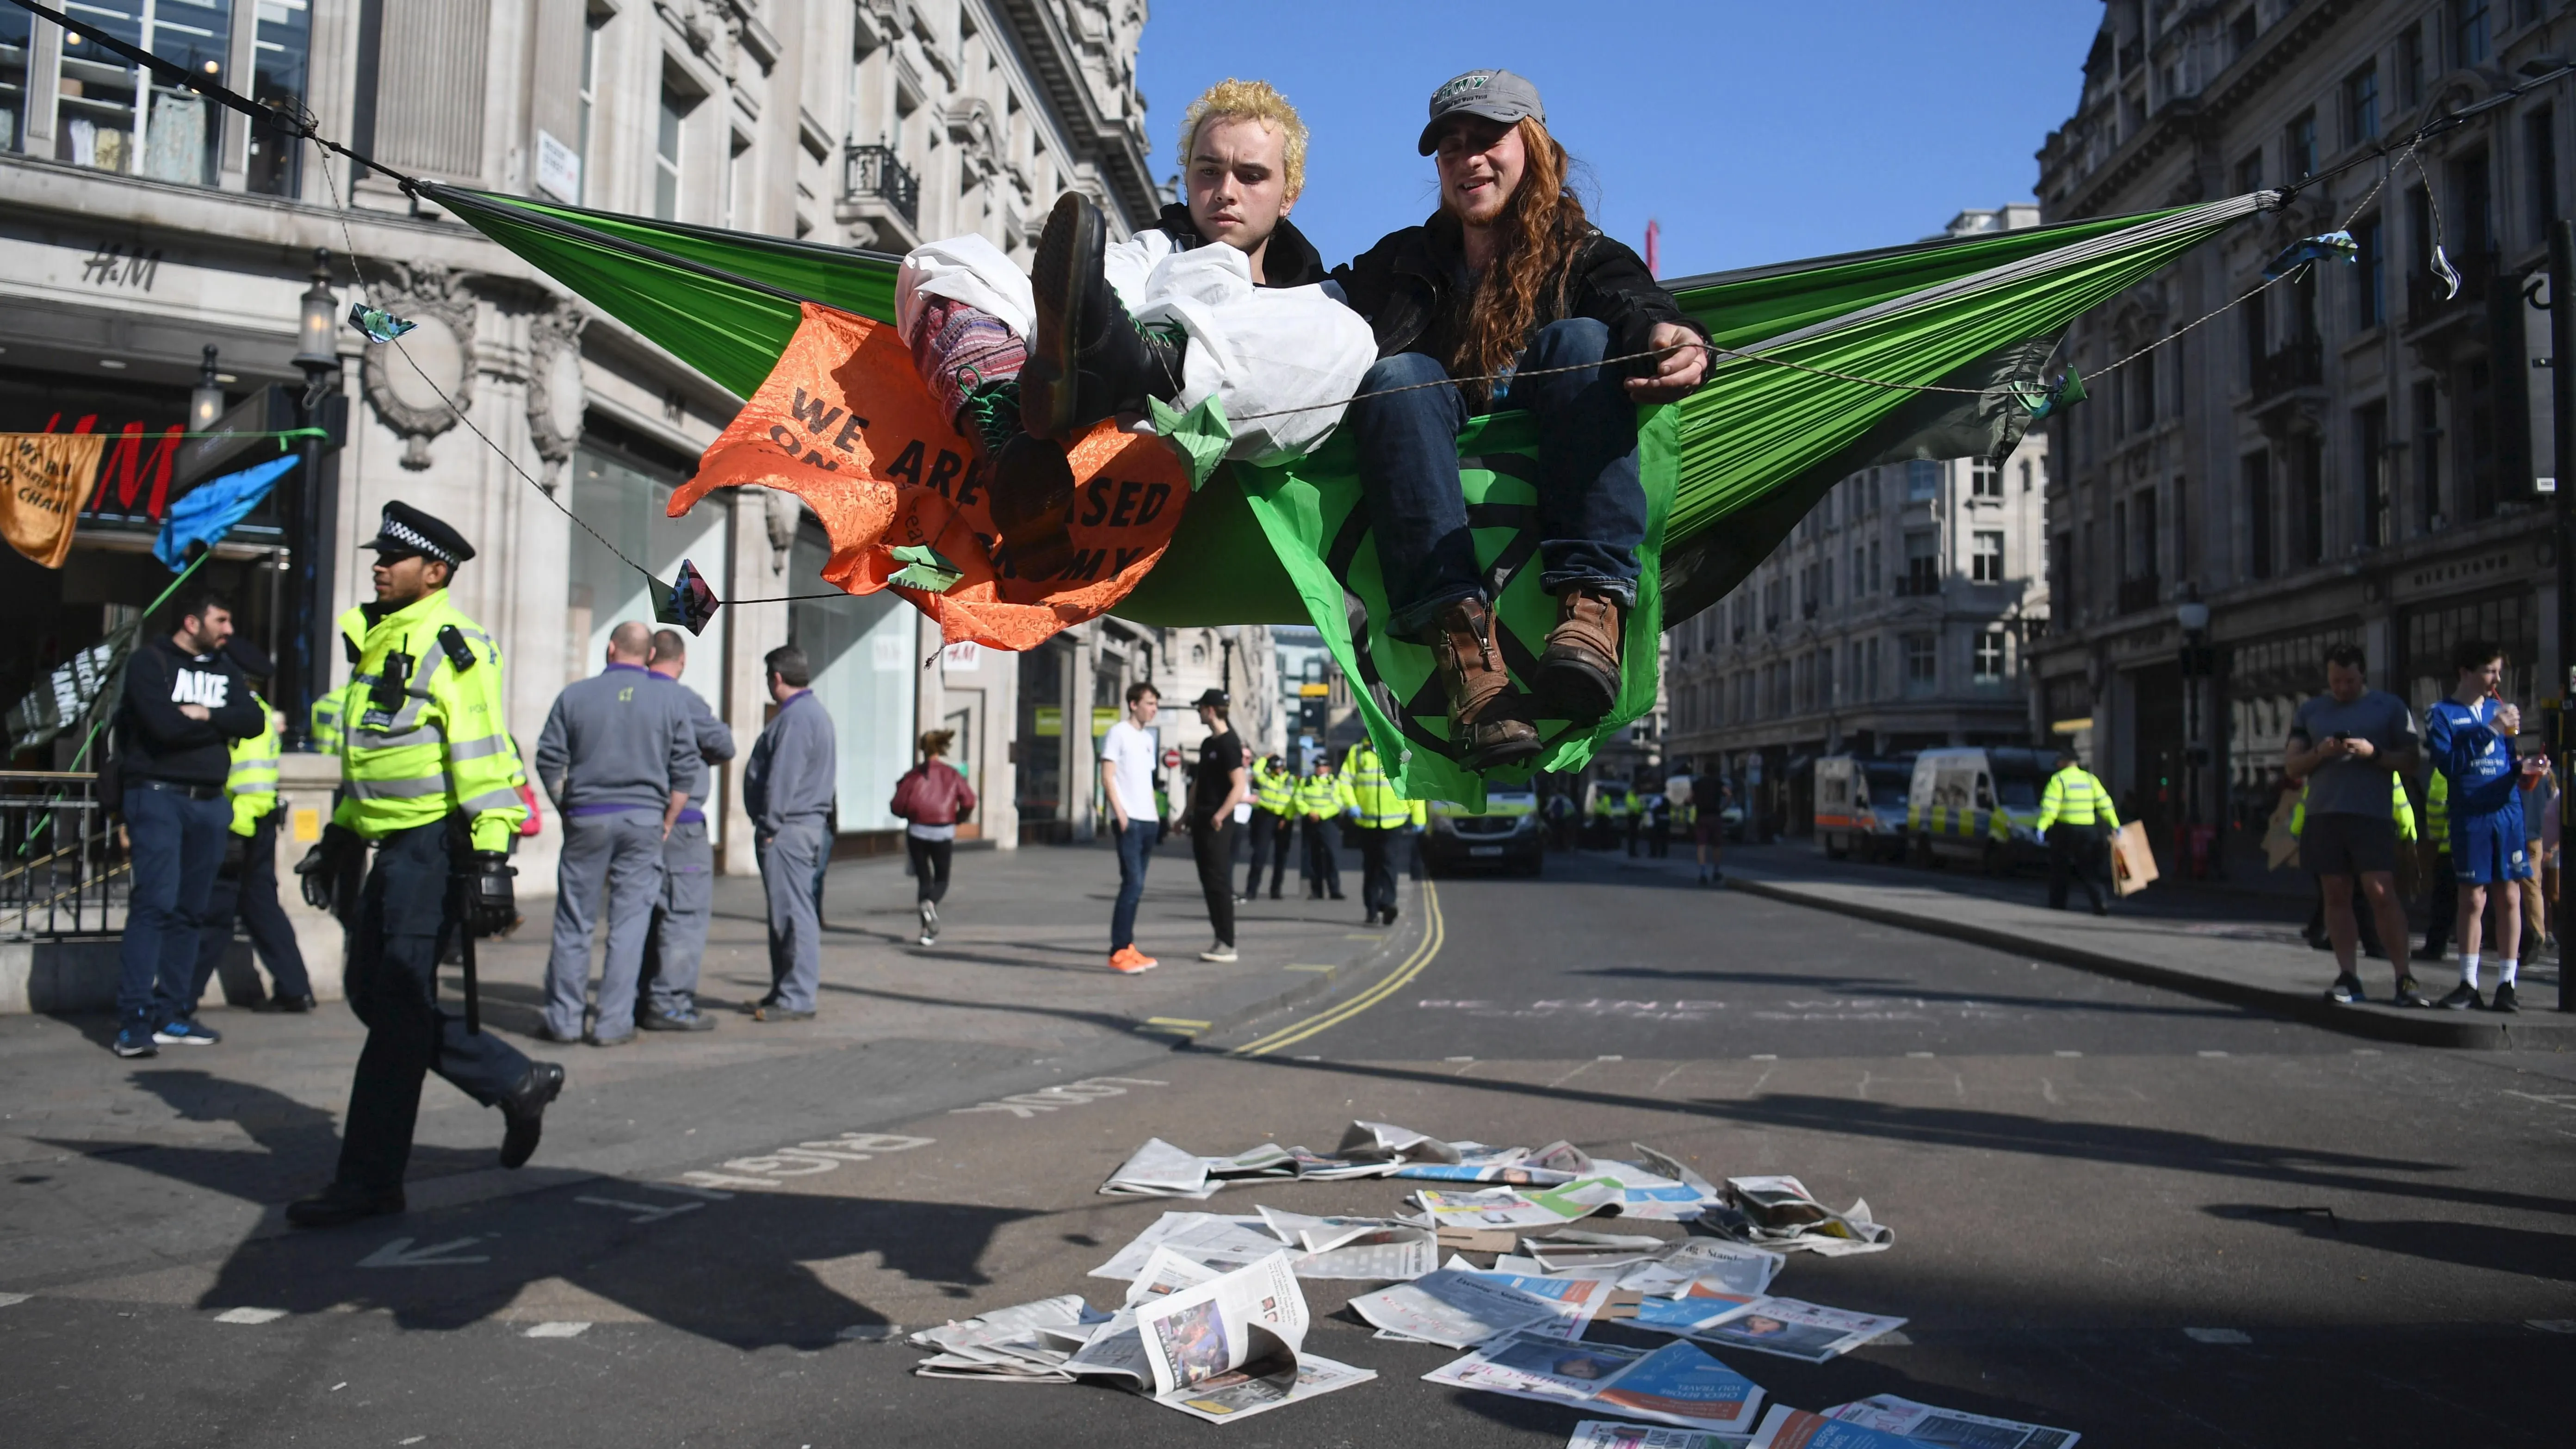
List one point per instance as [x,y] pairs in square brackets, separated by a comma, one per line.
[1755,132]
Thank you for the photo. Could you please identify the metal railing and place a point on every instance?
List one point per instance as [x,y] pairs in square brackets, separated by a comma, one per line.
[874,171]
[2296,365]
[62,872]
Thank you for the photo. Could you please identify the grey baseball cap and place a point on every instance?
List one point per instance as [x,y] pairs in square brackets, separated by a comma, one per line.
[1496,95]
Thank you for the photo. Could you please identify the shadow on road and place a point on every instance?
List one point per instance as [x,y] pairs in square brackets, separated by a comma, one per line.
[2467,1245]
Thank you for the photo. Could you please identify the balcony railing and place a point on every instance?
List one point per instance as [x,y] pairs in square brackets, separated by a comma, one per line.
[61,871]
[873,172]
[2425,301]
[1917,586]
[2299,364]
[2140,594]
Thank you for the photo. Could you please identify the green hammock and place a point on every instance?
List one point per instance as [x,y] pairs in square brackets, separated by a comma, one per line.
[1728,471]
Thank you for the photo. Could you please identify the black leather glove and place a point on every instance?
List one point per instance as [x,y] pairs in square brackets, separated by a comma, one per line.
[491,906]
[323,867]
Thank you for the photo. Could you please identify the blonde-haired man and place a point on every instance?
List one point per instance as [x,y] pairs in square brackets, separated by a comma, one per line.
[1168,314]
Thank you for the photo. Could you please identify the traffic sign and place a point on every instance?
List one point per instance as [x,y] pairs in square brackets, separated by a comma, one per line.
[1171,759]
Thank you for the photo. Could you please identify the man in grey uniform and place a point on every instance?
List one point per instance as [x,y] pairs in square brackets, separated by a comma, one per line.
[619,756]
[678,944]
[787,789]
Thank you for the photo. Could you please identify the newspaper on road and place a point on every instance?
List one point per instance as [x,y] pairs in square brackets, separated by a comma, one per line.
[1568,1250]
[1210,1239]
[1159,1169]
[1787,1428]
[1710,1265]
[1516,1207]
[1381,1249]
[1675,1384]
[1224,1348]
[1655,1187]
[1576,1300]
[1452,1308]
[1029,1342]
[1606,1434]
[1779,1213]
[1792,1329]
[1890,1414]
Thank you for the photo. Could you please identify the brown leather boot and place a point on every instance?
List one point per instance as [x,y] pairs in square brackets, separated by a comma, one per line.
[1487,717]
[1578,676]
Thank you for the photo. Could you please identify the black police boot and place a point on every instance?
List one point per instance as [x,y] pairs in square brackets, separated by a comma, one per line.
[1030,483]
[342,1203]
[524,1110]
[1089,360]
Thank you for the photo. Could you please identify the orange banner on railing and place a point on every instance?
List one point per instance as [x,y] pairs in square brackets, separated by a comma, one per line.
[845,423]
[42,478]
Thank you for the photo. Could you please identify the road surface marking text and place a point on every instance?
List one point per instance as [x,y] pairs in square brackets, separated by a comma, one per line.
[1054,1099]
[401,1254]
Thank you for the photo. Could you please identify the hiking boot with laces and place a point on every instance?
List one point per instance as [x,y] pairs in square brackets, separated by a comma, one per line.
[1030,483]
[1090,360]
[1488,718]
[1578,676]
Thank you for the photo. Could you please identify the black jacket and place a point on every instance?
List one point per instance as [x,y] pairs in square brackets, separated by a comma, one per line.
[1289,261]
[1414,289]
[154,741]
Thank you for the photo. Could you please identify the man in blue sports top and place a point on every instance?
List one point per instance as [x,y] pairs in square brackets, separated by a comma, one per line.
[2470,738]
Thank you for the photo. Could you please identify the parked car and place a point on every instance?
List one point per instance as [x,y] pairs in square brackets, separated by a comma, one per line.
[1979,804]
[1505,835]
[1860,805]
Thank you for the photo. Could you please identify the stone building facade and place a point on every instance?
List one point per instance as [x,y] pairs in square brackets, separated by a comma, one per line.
[2351,454]
[140,228]
[1898,615]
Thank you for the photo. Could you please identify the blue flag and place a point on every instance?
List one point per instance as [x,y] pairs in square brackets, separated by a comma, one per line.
[205,513]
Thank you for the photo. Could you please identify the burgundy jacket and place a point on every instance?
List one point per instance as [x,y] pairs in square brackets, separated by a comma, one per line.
[932,793]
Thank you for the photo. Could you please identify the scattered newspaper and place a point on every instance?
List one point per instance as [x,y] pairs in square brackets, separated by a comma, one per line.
[1029,1342]
[1706,1265]
[1675,1384]
[1453,1308]
[1224,1348]
[1604,1434]
[1159,1169]
[1656,1187]
[1779,1213]
[1889,1414]
[1513,1207]
[1218,1242]
[1380,1249]
[1793,1329]
[1787,1428]
[1576,1301]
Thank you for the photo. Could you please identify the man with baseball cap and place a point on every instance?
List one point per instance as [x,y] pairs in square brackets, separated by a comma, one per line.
[430,778]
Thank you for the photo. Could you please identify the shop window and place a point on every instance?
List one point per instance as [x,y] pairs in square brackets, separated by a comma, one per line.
[17,31]
[112,116]
[280,67]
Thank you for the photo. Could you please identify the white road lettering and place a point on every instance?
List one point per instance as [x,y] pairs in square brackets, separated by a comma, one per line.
[1049,1099]
[644,1212]
[401,1254]
[805,1159]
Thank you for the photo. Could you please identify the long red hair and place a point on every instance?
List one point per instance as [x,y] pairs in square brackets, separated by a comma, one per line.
[1542,227]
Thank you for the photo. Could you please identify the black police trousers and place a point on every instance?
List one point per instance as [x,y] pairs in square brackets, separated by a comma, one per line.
[1271,837]
[2077,852]
[404,916]
[1323,857]
[1377,867]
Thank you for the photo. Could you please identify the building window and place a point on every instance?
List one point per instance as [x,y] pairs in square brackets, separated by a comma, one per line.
[2361,105]
[1922,563]
[666,154]
[2026,471]
[1869,664]
[1829,582]
[1990,656]
[1861,583]
[2468,32]
[2540,163]
[2241,32]
[1985,480]
[17,28]
[2370,444]
[2427,412]
[114,117]
[1922,481]
[1986,556]
[2369,273]
[2061,570]
[1922,664]
[588,95]
[281,54]
[2410,65]
[2300,162]
[1874,574]
[2249,174]
[739,181]
[2257,471]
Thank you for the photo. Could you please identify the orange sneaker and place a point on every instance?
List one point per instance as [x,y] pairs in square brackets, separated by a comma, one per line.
[1127,961]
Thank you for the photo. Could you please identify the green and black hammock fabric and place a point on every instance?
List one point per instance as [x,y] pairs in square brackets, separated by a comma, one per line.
[1942,349]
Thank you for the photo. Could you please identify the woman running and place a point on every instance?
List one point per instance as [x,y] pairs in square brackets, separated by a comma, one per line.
[931,798]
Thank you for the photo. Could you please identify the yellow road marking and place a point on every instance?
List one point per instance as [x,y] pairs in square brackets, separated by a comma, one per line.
[1436,932]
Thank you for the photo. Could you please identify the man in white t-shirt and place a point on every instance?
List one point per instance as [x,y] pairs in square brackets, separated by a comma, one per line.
[1127,777]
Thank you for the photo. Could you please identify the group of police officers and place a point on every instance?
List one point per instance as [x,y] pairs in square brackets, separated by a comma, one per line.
[1317,807]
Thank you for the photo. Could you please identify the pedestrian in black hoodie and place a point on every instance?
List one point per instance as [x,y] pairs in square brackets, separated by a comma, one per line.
[184,704]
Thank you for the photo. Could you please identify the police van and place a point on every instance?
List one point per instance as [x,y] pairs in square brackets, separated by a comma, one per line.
[1976,805]
[1505,835]
[1860,805]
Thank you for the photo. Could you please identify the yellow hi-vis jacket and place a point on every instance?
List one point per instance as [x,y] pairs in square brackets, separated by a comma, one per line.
[331,710]
[1366,789]
[1273,788]
[425,737]
[251,785]
[1319,797]
[2400,809]
[2074,797]
[2437,810]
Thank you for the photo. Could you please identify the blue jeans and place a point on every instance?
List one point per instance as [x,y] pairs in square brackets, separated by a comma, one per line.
[1135,847]
[1591,512]
[177,843]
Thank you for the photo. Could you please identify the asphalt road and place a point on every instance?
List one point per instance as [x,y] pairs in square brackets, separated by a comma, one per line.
[2121,1211]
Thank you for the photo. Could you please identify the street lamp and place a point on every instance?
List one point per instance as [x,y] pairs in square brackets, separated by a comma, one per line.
[206,402]
[317,354]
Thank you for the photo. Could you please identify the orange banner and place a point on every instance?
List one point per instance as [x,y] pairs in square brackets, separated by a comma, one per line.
[845,423]
[42,478]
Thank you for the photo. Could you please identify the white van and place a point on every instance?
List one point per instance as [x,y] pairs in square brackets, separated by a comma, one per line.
[1979,804]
